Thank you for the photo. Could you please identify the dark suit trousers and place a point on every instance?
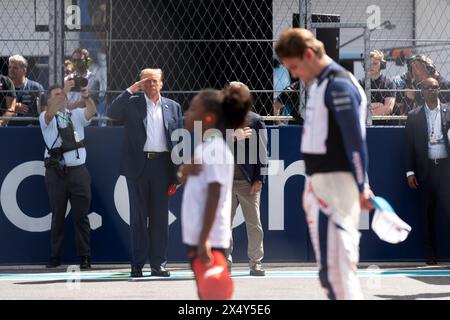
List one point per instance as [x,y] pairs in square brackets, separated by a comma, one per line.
[435,189]
[149,200]
[75,186]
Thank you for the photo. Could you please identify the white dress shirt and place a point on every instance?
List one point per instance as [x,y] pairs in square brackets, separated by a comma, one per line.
[156,133]
[435,138]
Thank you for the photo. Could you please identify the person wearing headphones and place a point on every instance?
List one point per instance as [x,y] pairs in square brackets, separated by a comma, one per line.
[382,102]
[420,67]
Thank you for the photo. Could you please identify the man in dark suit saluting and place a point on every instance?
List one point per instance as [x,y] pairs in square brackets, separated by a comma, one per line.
[149,121]
[427,158]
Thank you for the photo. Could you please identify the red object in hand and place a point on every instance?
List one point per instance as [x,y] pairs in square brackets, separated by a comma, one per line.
[213,281]
[172,190]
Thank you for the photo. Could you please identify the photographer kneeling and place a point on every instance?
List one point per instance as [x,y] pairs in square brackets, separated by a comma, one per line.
[66,175]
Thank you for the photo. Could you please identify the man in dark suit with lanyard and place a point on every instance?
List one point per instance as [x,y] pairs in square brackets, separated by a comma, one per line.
[149,121]
[427,161]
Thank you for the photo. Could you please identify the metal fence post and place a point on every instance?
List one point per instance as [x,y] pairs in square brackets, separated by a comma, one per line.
[305,18]
[367,73]
[51,41]
[56,43]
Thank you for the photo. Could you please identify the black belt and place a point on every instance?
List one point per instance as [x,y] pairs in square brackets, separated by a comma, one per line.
[153,155]
[74,167]
[63,170]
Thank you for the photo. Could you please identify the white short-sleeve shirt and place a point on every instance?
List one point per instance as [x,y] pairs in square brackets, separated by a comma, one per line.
[50,134]
[217,166]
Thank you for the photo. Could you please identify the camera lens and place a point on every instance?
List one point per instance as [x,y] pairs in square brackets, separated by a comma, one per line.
[83,82]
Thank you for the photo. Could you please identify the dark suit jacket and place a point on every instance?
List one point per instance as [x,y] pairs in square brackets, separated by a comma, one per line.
[417,140]
[132,111]
[251,170]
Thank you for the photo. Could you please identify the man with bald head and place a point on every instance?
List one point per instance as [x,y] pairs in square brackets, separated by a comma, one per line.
[149,120]
[427,160]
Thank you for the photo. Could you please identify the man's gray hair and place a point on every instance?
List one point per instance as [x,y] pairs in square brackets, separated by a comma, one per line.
[20,60]
[150,70]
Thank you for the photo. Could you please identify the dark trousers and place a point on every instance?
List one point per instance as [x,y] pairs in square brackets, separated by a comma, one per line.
[435,189]
[149,213]
[74,185]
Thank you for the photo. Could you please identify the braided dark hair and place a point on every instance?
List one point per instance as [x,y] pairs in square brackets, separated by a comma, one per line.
[230,106]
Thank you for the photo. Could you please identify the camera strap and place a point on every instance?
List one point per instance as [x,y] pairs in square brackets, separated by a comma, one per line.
[57,136]
[79,144]
[53,144]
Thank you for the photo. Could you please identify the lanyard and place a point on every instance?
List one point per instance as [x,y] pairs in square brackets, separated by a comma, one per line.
[432,122]
[67,120]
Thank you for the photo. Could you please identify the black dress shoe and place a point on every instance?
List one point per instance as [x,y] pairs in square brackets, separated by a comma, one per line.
[54,262]
[85,262]
[431,261]
[136,273]
[160,272]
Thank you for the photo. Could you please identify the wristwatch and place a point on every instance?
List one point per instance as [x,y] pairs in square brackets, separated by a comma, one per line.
[86,97]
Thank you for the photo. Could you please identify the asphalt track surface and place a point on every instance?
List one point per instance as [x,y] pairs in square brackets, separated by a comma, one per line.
[283,281]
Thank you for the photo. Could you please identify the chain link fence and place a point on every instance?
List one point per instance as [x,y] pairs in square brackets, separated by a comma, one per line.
[19,36]
[401,30]
[206,43]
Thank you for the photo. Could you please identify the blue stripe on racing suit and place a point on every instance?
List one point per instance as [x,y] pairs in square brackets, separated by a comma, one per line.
[343,99]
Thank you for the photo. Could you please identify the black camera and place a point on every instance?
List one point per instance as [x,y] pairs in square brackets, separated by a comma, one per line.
[51,163]
[54,161]
[55,156]
[80,82]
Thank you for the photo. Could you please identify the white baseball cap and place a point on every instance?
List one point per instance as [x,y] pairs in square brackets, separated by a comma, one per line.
[387,224]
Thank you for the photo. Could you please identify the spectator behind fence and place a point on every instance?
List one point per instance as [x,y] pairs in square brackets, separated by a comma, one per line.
[248,182]
[149,121]
[66,175]
[420,67]
[382,102]
[287,103]
[100,71]
[29,93]
[68,68]
[404,100]
[286,95]
[427,159]
[7,99]
[81,62]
